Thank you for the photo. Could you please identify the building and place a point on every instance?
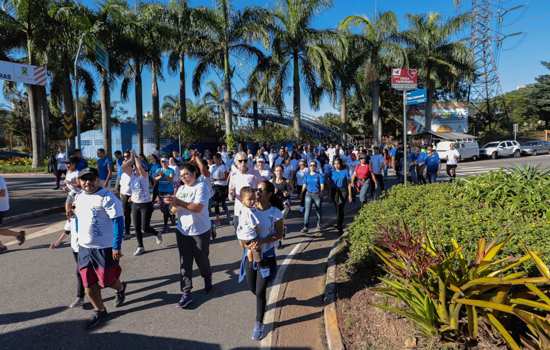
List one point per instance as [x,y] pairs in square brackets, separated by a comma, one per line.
[123,137]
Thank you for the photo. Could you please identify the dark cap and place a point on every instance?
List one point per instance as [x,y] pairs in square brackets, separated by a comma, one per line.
[90,172]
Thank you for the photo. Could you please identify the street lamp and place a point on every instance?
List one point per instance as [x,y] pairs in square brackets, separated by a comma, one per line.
[76,89]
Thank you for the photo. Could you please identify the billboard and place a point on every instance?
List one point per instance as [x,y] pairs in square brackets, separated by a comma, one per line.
[23,73]
[446,117]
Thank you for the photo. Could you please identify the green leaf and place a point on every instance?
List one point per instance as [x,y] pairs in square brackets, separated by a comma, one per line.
[503,332]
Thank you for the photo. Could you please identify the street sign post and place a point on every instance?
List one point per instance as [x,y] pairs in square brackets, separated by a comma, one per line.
[23,73]
[404,79]
[416,97]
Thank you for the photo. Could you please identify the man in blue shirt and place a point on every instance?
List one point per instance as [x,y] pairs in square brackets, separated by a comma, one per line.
[164,176]
[104,165]
[377,169]
[432,165]
[82,163]
[421,157]
[314,185]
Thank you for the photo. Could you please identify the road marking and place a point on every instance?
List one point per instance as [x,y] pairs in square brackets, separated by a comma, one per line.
[52,228]
[269,317]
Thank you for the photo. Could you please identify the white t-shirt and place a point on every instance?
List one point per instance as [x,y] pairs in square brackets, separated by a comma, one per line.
[208,183]
[452,157]
[238,181]
[5,200]
[125,180]
[94,213]
[192,223]
[266,227]
[217,174]
[61,158]
[71,179]
[248,221]
[139,186]
[265,174]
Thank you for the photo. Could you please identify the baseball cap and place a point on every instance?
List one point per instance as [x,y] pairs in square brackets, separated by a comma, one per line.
[88,172]
[163,159]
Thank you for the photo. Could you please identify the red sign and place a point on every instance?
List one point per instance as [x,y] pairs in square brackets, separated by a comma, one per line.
[404,78]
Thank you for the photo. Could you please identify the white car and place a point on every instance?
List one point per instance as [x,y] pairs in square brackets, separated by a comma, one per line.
[467,149]
[496,149]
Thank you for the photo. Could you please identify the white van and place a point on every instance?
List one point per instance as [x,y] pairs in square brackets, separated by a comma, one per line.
[468,149]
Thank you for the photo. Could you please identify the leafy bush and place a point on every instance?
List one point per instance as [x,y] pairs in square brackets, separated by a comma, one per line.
[19,165]
[447,294]
[486,206]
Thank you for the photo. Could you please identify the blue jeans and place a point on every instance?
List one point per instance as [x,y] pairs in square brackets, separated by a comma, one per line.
[432,176]
[312,199]
[365,190]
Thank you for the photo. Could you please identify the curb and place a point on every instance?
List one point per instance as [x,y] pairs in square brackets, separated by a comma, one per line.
[32,214]
[332,331]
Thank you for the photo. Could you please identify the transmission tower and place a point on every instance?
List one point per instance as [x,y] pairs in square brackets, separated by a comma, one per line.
[486,44]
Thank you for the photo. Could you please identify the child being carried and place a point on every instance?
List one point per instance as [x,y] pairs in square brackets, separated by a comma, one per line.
[247,230]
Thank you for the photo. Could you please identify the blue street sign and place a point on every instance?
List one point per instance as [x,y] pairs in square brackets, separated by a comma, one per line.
[416,97]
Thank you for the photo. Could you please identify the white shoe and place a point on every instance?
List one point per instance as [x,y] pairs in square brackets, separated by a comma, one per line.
[77,302]
[139,251]
[158,238]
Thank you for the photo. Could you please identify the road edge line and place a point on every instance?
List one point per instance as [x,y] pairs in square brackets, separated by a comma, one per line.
[273,298]
[330,318]
[39,212]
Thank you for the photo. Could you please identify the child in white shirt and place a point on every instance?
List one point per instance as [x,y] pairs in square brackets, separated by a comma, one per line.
[247,230]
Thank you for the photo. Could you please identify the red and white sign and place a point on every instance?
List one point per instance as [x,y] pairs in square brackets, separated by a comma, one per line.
[23,73]
[404,78]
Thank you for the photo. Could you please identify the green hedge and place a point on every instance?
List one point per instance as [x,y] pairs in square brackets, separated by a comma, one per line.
[485,206]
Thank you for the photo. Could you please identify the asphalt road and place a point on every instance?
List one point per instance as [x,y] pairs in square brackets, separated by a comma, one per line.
[38,283]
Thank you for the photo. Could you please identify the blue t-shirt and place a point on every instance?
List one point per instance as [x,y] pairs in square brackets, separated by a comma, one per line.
[153,169]
[340,178]
[103,165]
[433,162]
[119,167]
[82,164]
[165,185]
[421,158]
[393,152]
[377,163]
[313,182]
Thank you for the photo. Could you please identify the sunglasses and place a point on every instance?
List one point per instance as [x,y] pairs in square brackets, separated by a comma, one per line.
[313,165]
[240,160]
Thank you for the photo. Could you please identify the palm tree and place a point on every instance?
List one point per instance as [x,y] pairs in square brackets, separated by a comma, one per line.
[296,44]
[382,50]
[442,61]
[346,57]
[134,45]
[260,87]
[227,31]
[27,20]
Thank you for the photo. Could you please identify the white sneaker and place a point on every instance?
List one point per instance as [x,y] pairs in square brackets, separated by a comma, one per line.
[77,302]
[158,238]
[139,251]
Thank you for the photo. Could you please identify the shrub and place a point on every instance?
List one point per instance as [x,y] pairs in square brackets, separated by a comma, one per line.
[459,212]
[447,294]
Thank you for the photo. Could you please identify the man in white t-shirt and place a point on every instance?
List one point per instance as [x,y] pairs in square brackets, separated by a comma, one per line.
[100,226]
[4,207]
[238,180]
[453,156]
[60,167]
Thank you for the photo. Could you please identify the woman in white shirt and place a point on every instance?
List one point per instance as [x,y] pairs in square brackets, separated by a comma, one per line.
[142,204]
[270,229]
[218,175]
[193,230]
[263,170]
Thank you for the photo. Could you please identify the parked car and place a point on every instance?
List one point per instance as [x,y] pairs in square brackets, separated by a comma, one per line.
[535,147]
[496,149]
[467,149]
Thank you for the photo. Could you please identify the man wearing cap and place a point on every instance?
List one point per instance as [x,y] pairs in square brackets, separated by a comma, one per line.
[100,226]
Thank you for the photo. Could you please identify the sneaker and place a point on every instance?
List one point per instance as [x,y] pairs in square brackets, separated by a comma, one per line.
[208,285]
[158,238]
[185,300]
[301,209]
[139,251]
[280,244]
[258,331]
[3,248]
[120,295]
[318,228]
[304,230]
[98,319]
[20,237]
[77,302]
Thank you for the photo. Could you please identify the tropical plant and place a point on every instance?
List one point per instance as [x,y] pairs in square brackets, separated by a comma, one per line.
[300,50]
[447,294]
[227,31]
[382,51]
[443,61]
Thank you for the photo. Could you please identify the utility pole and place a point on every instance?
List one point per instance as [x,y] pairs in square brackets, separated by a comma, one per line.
[76,90]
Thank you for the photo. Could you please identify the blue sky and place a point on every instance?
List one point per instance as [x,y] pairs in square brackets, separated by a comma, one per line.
[519,60]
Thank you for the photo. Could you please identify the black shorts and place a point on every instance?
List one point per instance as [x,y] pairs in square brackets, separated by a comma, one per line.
[451,166]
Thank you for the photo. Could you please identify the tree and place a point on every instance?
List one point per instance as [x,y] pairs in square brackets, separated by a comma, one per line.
[540,95]
[298,48]
[443,62]
[27,20]
[382,50]
[227,32]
